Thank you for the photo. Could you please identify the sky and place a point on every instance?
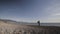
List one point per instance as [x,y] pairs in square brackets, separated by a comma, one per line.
[30,10]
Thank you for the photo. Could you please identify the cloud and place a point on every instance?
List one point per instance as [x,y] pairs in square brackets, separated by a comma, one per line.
[53,11]
[53,7]
[46,11]
[57,14]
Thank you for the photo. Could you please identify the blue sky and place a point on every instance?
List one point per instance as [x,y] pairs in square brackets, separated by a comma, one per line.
[30,10]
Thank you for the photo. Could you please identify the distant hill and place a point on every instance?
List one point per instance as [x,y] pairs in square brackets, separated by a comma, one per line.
[26,23]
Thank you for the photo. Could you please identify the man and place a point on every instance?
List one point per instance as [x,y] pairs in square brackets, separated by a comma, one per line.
[38,23]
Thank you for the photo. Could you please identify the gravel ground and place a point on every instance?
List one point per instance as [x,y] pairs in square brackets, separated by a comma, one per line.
[6,28]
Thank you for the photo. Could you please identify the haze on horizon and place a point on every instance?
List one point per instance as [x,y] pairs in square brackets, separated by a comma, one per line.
[30,10]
